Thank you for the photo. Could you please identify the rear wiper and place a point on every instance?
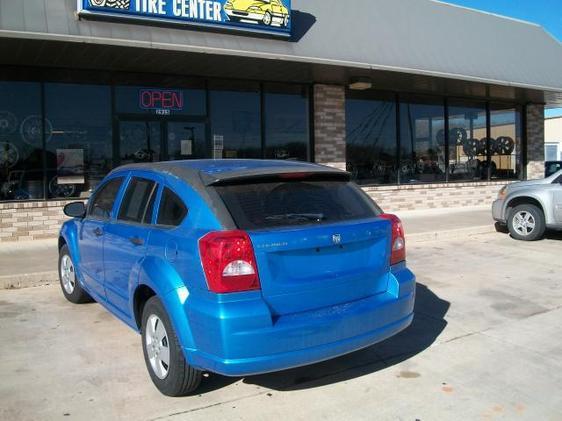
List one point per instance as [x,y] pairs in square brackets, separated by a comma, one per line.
[317,217]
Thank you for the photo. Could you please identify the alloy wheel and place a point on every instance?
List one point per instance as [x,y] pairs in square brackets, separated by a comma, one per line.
[67,274]
[524,223]
[157,346]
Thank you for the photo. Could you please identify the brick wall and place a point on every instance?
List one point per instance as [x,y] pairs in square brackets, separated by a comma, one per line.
[329,125]
[30,220]
[37,220]
[433,196]
[535,141]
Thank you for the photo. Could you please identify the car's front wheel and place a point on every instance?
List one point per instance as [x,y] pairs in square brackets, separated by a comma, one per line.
[71,288]
[526,222]
[164,358]
[267,19]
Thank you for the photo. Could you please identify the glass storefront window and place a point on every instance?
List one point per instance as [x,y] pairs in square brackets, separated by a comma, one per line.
[21,141]
[371,138]
[505,143]
[235,120]
[422,140]
[467,141]
[287,134]
[79,138]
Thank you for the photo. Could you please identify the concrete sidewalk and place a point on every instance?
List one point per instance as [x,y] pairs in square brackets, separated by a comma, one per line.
[26,264]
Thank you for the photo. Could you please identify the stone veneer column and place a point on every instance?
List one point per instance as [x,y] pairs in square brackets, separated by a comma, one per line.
[329,125]
[535,141]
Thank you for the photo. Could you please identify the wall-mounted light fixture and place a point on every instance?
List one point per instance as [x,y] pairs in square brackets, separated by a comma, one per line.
[360,83]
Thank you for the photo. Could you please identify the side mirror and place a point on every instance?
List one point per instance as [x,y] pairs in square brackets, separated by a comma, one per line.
[75,210]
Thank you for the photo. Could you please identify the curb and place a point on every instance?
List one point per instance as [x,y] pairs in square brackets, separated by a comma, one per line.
[28,280]
[455,234]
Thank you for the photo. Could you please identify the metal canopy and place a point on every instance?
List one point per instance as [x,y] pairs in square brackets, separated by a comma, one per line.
[418,45]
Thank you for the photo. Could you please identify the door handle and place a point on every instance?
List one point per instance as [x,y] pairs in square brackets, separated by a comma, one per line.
[136,241]
[98,232]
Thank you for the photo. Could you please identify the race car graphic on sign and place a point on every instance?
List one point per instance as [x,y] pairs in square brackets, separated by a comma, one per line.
[264,12]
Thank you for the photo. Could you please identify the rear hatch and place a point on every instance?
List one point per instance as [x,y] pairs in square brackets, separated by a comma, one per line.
[318,240]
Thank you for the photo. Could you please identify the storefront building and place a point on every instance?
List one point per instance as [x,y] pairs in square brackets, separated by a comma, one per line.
[422,109]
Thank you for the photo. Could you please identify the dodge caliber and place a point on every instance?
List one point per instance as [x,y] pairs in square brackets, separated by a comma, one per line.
[237,267]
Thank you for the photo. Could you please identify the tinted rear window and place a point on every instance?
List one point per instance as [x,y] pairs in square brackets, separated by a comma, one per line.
[294,203]
[172,209]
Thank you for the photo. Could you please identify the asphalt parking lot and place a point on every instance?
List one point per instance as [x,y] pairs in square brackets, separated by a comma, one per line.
[486,343]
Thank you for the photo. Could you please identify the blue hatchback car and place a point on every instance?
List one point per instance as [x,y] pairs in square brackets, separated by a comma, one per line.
[237,267]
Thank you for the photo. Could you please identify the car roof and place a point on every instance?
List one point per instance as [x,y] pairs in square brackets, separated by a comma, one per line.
[210,172]
[200,174]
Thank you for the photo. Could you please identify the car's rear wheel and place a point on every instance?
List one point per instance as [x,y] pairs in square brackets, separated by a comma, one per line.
[526,222]
[164,358]
[71,288]
[267,19]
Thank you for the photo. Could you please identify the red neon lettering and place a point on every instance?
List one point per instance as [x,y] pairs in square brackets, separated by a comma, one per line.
[161,99]
[178,100]
[156,99]
[146,99]
[167,100]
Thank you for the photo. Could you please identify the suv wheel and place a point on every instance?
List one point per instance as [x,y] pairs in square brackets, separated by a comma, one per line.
[163,355]
[526,222]
[71,288]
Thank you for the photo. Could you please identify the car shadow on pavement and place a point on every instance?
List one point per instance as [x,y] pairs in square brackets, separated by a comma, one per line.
[429,322]
[553,235]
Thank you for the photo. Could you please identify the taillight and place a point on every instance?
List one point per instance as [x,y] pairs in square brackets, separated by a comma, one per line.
[229,262]
[398,241]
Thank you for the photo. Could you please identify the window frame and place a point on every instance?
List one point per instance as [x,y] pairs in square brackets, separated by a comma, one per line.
[158,203]
[153,194]
[99,190]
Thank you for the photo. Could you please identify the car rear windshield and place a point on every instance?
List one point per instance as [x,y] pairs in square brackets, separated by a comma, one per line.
[265,205]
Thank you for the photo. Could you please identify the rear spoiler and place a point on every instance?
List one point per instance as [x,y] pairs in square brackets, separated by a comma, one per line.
[265,175]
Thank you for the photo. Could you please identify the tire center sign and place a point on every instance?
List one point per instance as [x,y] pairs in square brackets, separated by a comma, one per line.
[272,17]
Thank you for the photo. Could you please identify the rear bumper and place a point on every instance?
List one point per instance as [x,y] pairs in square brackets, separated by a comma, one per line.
[236,342]
[497,211]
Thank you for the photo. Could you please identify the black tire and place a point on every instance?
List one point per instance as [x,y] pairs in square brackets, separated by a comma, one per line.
[181,379]
[75,294]
[518,231]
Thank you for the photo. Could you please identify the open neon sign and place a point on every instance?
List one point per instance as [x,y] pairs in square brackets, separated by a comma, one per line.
[161,99]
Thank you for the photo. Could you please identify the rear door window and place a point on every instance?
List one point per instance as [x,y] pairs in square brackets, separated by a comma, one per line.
[138,201]
[292,203]
[102,203]
[172,210]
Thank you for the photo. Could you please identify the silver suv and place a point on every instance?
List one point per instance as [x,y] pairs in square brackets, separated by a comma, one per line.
[530,207]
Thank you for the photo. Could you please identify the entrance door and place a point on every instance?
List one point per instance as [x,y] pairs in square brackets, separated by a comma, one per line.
[162,140]
[186,140]
[140,141]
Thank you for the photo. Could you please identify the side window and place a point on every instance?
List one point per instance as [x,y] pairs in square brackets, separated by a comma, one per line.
[172,210]
[102,203]
[138,201]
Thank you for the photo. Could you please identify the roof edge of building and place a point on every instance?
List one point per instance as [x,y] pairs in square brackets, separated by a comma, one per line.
[119,42]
